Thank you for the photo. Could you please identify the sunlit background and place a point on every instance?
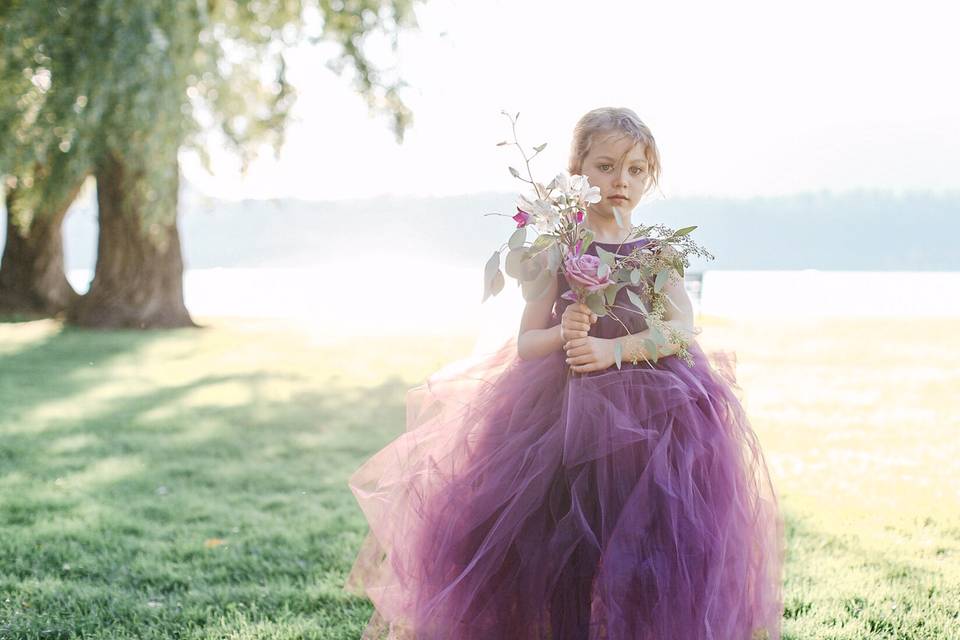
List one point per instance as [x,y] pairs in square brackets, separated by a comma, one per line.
[832,124]
[813,144]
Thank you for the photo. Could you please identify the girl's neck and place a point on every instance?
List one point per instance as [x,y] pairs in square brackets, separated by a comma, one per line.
[611,235]
[606,230]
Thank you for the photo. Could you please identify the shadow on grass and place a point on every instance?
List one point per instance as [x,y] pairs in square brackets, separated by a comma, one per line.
[220,507]
[160,515]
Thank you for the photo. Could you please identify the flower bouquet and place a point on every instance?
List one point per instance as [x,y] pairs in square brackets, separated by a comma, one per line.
[557,212]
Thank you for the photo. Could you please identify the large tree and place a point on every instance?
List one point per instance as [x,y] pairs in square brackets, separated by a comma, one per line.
[116,89]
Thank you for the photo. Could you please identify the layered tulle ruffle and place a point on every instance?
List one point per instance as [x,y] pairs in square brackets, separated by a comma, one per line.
[525,502]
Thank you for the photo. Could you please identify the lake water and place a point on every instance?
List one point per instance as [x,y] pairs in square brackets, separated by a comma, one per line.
[422,297]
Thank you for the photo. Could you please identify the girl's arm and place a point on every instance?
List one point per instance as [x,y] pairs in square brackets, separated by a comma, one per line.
[679,317]
[535,339]
[596,354]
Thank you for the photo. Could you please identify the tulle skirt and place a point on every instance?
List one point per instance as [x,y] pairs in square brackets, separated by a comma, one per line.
[527,502]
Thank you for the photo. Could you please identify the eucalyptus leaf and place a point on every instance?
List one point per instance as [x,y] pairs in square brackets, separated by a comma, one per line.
[519,262]
[661,280]
[553,258]
[651,349]
[540,147]
[514,172]
[656,335]
[684,231]
[490,271]
[603,270]
[618,353]
[534,289]
[517,238]
[616,214]
[498,283]
[588,236]
[595,302]
[543,241]
[635,276]
[637,302]
[610,292]
[606,257]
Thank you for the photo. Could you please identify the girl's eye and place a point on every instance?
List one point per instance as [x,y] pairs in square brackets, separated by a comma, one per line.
[639,170]
[602,167]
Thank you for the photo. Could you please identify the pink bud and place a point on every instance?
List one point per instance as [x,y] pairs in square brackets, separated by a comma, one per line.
[522,217]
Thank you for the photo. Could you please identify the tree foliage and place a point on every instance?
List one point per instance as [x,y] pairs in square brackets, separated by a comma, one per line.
[139,79]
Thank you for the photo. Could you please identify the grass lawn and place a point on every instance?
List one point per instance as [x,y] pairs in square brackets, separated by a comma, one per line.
[192,483]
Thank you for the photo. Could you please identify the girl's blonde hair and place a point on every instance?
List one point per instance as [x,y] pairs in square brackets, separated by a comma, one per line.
[611,120]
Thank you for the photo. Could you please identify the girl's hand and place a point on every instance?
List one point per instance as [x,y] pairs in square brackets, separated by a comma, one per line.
[575,321]
[590,353]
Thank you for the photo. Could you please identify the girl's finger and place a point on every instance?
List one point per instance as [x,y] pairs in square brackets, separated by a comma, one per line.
[577,329]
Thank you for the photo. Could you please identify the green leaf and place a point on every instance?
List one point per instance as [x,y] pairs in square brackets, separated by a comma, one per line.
[514,263]
[651,349]
[542,242]
[684,231]
[517,238]
[618,353]
[498,283]
[678,265]
[540,147]
[616,214]
[534,289]
[603,270]
[661,280]
[635,276]
[606,257]
[610,293]
[514,172]
[656,335]
[587,237]
[490,271]
[635,299]
[553,258]
[595,302]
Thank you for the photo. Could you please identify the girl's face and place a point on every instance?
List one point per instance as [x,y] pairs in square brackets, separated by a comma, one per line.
[616,163]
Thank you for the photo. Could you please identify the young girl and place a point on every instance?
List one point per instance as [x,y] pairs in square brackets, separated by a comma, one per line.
[526,501]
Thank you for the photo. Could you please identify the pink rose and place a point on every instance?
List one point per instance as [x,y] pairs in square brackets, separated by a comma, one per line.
[582,270]
[522,217]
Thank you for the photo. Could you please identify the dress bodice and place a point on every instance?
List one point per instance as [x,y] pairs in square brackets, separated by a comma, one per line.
[605,326]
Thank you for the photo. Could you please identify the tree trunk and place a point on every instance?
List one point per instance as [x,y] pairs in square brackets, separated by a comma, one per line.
[32,277]
[138,279]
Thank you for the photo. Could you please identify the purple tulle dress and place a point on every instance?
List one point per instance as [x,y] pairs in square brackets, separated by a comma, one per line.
[527,502]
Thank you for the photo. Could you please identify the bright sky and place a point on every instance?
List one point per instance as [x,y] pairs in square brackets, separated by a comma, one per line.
[744,98]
